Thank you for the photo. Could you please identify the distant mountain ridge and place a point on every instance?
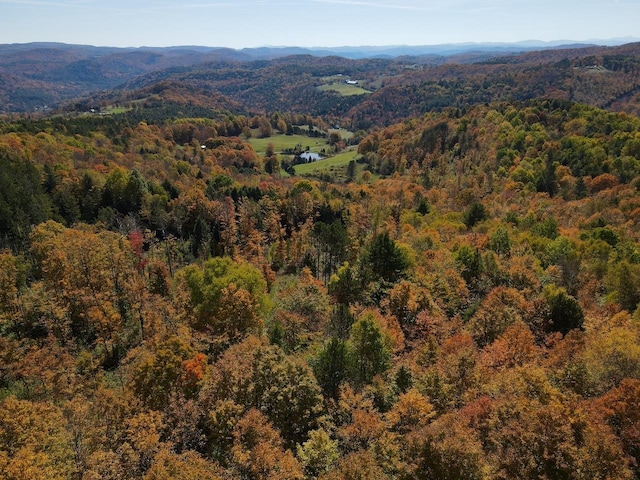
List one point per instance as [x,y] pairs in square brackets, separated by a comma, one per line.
[445,49]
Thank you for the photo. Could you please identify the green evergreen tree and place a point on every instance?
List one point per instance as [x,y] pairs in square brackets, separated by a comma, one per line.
[474,214]
[386,260]
[370,355]
[565,311]
[331,367]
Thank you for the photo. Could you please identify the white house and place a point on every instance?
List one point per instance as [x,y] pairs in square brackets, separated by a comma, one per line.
[309,157]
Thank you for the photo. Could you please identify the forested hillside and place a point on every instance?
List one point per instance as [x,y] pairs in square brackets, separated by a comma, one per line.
[605,77]
[67,78]
[463,304]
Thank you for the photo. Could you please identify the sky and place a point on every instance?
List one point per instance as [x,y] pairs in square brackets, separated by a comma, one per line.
[313,23]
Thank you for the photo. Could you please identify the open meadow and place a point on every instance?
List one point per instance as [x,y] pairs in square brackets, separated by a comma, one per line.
[344,89]
[333,165]
[284,142]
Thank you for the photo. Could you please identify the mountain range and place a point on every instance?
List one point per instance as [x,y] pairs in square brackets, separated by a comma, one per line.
[43,76]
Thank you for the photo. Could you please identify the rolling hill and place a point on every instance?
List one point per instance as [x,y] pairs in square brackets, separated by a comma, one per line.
[406,82]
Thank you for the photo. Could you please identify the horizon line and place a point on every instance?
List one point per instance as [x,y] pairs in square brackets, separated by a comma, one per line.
[527,42]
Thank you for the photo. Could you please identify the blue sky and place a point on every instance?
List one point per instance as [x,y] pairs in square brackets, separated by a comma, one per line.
[330,23]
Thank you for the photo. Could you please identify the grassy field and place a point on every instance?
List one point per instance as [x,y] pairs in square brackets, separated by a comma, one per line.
[344,133]
[112,110]
[344,89]
[334,163]
[281,142]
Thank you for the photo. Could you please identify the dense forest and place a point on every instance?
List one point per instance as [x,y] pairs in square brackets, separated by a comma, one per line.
[464,303]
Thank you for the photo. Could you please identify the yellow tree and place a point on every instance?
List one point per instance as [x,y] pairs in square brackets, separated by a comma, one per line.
[255,375]
[257,452]
[89,275]
[33,441]
[9,279]
[227,298]
[168,465]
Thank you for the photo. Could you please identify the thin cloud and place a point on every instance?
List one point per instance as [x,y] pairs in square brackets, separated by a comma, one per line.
[169,5]
[130,8]
[42,3]
[77,4]
[461,6]
[360,3]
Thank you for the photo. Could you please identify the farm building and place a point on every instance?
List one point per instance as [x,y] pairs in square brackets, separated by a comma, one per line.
[309,157]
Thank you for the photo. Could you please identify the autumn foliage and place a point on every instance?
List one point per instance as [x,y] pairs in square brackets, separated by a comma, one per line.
[468,309]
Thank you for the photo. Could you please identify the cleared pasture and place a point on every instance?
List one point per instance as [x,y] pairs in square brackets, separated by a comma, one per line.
[338,161]
[283,142]
[344,89]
